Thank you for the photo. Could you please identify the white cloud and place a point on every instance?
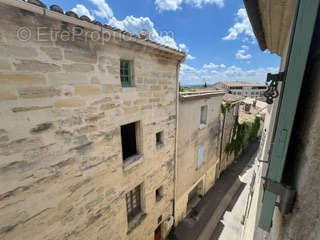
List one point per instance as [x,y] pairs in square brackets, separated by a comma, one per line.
[242,26]
[182,46]
[242,53]
[168,5]
[212,73]
[174,5]
[136,25]
[190,57]
[213,66]
[104,11]
[200,3]
[82,10]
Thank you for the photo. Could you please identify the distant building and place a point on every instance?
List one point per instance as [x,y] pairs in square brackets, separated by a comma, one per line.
[245,89]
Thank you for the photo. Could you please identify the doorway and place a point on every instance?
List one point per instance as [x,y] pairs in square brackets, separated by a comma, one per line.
[157,233]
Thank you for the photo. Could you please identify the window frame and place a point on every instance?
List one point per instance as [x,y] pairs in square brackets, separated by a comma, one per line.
[133,197]
[129,76]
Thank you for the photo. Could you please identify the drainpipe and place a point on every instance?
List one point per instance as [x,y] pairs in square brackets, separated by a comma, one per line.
[221,141]
[176,138]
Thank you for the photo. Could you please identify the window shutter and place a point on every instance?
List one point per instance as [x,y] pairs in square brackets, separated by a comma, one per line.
[200,156]
[298,56]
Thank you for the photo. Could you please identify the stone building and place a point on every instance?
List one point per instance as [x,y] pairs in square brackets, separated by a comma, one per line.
[231,107]
[87,128]
[198,148]
[288,160]
[244,89]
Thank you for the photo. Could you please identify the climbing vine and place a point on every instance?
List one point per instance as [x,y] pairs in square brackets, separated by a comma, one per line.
[242,134]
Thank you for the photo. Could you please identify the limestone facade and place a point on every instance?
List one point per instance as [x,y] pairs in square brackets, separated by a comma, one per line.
[198,148]
[62,174]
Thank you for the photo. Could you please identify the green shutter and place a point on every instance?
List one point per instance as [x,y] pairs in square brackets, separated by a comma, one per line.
[126,73]
[298,56]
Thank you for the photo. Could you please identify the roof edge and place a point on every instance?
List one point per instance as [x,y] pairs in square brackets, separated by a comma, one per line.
[20,4]
[254,15]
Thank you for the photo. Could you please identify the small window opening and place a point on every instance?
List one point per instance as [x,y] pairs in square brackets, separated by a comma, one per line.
[159,139]
[159,194]
[129,140]
[203,117]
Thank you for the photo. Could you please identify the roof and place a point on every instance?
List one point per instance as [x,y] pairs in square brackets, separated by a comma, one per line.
[57,13]
[184,96]
[232,98]
[243,84]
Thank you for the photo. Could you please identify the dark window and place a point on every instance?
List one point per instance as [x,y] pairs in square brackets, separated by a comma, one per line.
[159,138]
[159,194]
[159,219]
[126,73]
[133,200]
[129,140]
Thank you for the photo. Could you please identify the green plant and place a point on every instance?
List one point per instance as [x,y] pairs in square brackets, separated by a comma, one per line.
[243,220]
[242,134]
[172,235]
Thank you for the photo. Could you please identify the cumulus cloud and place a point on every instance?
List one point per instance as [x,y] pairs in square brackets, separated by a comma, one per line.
[190,57]
[241,27]
[103,9]
[82,10]
[137,24]
[242,53]
[212,73]
[174,5]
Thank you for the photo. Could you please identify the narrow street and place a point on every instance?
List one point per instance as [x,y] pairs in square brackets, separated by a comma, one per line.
[231,224]
[222,208]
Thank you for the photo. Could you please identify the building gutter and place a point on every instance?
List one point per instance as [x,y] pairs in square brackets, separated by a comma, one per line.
[252,7]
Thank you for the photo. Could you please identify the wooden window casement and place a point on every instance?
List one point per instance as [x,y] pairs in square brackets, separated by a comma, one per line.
[133,200]
[126,73]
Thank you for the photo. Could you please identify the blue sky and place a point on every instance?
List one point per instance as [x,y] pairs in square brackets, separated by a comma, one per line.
[216,34]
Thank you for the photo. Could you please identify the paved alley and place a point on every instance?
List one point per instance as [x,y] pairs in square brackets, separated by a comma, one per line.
[225,201]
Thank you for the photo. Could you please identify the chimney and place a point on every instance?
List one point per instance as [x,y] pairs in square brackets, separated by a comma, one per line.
[145,35]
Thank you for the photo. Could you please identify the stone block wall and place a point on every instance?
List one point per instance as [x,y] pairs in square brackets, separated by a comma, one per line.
[61,108]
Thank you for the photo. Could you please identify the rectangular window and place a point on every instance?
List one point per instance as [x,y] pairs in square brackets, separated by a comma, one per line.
[159,139]
[159,194]
[126,73]
[129,140]
[203,117]
[200,157]
[133,200]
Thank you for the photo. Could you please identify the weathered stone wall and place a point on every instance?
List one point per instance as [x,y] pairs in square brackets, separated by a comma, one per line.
[225,136]
[190,138]
[61,108]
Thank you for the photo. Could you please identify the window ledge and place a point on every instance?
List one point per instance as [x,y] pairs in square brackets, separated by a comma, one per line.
[160,145]
[136,221]
[129,89]
[132,161]
[202,126]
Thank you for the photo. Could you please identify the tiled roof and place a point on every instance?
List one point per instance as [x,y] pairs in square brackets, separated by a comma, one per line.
[59,10]
[232,98]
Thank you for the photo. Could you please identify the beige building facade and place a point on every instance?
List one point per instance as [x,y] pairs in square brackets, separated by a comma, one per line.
[198,148]
[87,130]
